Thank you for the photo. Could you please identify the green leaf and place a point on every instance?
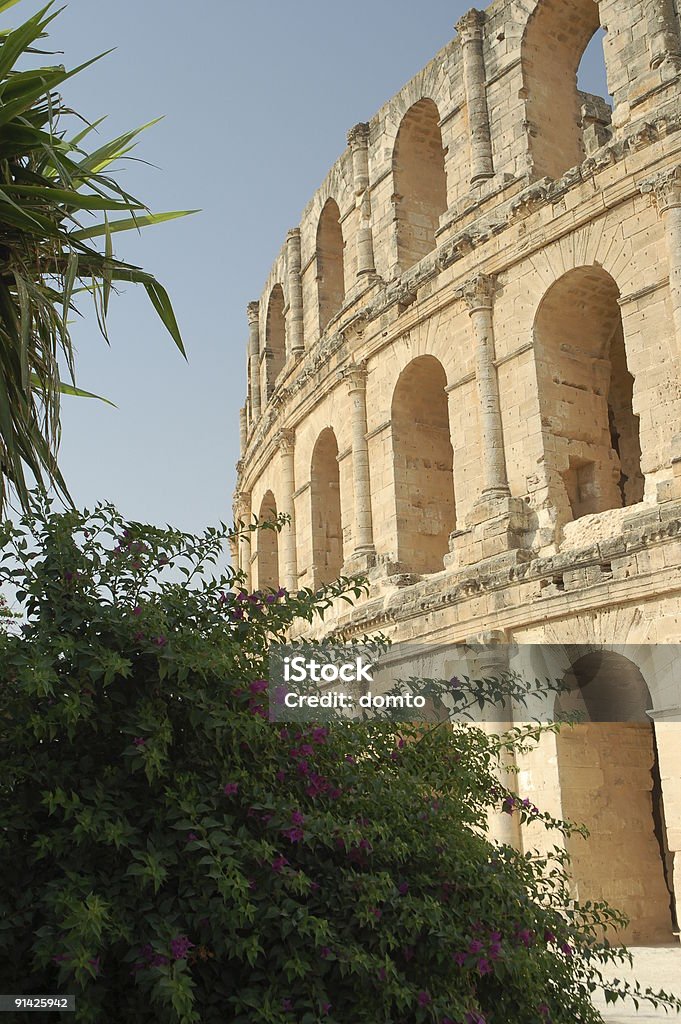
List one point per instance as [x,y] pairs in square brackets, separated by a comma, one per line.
[129,223]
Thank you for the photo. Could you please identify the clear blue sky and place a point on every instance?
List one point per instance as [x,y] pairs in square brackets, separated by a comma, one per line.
[257,99]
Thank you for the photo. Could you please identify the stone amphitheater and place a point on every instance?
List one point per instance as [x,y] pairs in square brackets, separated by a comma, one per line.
[464,382]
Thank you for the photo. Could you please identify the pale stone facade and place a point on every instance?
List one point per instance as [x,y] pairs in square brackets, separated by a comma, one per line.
[465,381]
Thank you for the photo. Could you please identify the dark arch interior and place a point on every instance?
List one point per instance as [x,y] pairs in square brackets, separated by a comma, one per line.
[420,182]
[423,466]
[327,538]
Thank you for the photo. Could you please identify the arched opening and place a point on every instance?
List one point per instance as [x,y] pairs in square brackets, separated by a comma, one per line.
[420,182]
[330,270]
[591,439]
[268,546]
[327,537]
[423,466]
[561,41]
[275,339]
[610,781]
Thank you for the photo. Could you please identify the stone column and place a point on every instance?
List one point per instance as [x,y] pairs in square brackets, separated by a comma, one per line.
[492,661]
[243,430]
[253,313]
[284,441]
[358,140]
[242,513]
[470,33]
[355,377]
[663,34]
[295,291]
[478,295]
[665,189]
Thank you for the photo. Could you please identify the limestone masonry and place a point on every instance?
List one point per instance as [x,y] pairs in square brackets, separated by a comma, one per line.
[464,382]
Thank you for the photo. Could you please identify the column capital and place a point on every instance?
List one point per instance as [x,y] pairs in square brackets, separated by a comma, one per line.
[354,375]
[253,311]
[284,440]
[293,234]
[664,188]
[242,505]
[358,134]
[478,293]
[470,25]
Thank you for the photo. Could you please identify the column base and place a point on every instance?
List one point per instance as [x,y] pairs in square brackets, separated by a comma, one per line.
[360,561]
[498,527]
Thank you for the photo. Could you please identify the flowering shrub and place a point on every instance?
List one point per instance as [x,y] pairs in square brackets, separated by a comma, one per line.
[169,854]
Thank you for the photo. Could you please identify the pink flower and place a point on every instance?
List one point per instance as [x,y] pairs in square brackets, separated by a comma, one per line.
[139,741]
[376,912]
[231,788]
[424,999]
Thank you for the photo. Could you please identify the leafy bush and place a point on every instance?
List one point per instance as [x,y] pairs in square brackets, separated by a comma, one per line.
[169,854]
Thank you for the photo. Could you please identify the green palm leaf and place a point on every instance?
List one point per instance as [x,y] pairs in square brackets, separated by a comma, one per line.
[49,257]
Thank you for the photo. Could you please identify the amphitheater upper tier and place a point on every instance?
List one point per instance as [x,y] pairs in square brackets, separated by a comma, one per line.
[467,354]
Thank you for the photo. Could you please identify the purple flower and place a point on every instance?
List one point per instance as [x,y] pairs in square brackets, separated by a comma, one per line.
[508,805]
[350,759]
[566,948]
[297,817]
[294,835]
[230,788]
[278,864]
[424,999]
[139,741]
[137,610]
[459,958]
[484,966]
[326,1007]
[286,1005]
[192,837]
[544,1010]
[549,936]
[376,912]
[403,888]
[281,775]
[474,1017]
[282,592]
[59,958]
[319,734]
[258,685]
[324,952]
[180,946]
[160,641]
[475,946]
[158,960]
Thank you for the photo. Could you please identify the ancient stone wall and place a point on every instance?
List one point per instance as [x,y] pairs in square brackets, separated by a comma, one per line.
[465,371]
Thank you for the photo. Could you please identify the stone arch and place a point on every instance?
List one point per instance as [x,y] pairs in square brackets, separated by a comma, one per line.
[423,466]
[610,781]
[330,266]
[267,561]
[275,339]
[327,536]
[420,182]
[565,124]
[591,433]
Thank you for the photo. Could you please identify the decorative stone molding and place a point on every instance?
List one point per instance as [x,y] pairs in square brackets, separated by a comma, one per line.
[664,189]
